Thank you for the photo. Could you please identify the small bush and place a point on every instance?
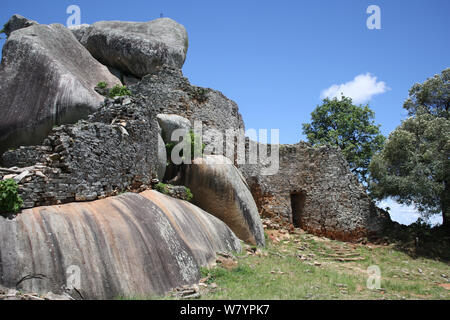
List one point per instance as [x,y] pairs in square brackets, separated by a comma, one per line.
[10,201]
[118,91]
[102,85]
[162,187]
[189,194]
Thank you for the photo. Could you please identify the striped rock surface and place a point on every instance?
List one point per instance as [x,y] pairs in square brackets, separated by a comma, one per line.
[132,245]
[220,189]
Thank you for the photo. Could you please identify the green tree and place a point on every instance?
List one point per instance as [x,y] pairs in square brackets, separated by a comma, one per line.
[340,123]
[414,166]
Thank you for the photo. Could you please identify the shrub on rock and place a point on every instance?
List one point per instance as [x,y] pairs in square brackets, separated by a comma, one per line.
[10,201]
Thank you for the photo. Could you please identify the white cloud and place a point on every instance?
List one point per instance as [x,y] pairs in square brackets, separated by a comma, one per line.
[361,89]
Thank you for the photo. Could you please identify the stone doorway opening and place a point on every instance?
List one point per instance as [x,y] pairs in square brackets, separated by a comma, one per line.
[298,199]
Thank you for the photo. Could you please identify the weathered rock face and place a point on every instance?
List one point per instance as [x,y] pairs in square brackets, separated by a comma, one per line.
[79,30]
[171,122]
[314,189]
[47,78]
[116,149]
[219,188]
[17,22]
[137,48]
[169,92]
[131,245]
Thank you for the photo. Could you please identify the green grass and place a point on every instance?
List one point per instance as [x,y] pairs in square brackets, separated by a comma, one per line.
[278,273]
[332,279]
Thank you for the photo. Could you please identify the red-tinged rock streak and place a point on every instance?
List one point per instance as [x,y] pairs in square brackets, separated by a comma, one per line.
[129,245]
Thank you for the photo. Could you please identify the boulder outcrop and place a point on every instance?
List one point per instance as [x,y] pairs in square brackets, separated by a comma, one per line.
[120,146]
[137,48]
[131,245]
[171,122]
[117,148]
[79,30]
[47,78]
[220,189]
[169,92]
[17,22]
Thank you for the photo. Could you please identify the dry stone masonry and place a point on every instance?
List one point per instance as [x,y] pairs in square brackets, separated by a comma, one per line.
[314,189]
[113,151]
[118,146]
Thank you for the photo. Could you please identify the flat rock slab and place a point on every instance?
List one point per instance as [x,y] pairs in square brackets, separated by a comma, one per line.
[220,189]
[137,48]
[47,77]
[132,245]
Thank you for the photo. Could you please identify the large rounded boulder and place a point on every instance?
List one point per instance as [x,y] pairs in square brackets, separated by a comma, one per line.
[171,122]
[220,189]
[137,48]
[47,78]
[132,245]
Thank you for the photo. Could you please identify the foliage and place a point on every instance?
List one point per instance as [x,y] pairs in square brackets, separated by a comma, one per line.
[168,190]
[189,195]
[411,167]
[169,148]
[193,139]
[414,166]
[350,127]
[420,226]
[118,91]
[10,201]
[162,187]
[433,96]
[102,85]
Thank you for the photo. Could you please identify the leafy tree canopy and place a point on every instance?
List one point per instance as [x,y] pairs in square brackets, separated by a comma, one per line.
[340,123]
[414,165]
[433,96]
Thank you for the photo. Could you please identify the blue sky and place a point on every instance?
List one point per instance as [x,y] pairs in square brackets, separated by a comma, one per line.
[277,58]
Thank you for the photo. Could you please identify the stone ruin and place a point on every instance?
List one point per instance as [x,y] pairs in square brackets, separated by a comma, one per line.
[315,190]
[119,147]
